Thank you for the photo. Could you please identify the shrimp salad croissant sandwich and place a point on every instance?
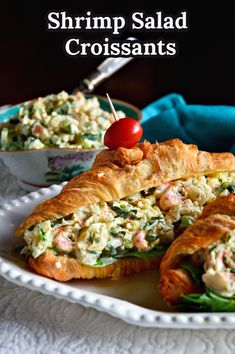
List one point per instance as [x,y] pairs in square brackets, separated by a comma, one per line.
[198,270]
[120,217]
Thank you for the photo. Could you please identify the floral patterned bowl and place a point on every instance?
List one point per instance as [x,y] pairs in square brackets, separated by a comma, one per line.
[43,167]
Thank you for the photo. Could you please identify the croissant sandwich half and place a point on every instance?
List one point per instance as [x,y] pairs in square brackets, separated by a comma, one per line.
[198,270]
[120,217]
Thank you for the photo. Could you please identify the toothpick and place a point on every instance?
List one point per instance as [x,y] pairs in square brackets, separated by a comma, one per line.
[112,108]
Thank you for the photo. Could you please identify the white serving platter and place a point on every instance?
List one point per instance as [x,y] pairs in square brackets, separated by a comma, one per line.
[134,298]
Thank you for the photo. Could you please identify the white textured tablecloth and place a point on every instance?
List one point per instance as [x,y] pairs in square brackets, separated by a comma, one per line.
[34,323]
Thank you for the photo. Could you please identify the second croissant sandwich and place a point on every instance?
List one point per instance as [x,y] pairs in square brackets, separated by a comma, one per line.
[120,217]
[198,270]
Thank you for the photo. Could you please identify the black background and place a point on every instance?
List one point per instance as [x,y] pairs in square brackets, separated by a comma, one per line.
[33,62]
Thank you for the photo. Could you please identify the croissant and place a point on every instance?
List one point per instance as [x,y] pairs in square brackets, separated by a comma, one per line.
[119,217]
[198,268]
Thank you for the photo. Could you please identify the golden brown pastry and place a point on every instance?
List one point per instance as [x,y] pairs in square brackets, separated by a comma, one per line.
[201,261]
[64,268]
[132,203]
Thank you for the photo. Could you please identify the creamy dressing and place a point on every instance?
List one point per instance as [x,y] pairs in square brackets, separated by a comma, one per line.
[140,222]
[219,266]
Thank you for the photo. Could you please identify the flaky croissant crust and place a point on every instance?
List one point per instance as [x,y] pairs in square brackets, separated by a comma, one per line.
[215,222]
[116,174]
[64,268]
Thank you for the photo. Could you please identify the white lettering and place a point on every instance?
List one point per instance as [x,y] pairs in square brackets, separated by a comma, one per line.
[65,19]
[136,18]
[150,23]
[181,21]
[168,23]
[68,46]
[52,17]
[171,48]
[118,23]
[102,23]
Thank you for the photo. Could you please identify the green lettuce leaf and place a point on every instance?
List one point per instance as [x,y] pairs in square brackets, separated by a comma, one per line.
[156,252]
[208,301]
[102,262]
[195,272]
[159,251]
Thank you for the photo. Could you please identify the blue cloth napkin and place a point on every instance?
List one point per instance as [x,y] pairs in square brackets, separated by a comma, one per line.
[212,128]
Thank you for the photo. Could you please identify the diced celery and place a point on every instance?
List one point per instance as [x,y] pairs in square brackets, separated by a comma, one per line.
[186,221]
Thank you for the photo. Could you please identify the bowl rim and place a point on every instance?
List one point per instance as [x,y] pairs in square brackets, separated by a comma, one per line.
[115,100]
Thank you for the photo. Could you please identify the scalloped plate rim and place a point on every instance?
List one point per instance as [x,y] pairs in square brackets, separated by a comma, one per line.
[121,309]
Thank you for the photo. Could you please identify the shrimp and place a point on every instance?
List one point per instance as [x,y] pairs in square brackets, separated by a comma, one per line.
[37,130]
[218,274]
[40,132]
[139,241]
[169,199]
[62,241]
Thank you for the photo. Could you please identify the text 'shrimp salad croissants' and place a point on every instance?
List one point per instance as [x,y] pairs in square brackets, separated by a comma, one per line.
[198,268]
[122,215]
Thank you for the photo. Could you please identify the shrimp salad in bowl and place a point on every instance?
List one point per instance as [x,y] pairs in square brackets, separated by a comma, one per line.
[51,139]
[57,120]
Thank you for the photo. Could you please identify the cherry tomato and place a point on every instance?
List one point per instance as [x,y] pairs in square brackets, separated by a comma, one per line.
[125,132]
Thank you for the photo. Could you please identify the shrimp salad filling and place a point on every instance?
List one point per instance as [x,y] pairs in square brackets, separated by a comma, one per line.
[213,267]
[213,270]
[219,266]
[141,225]
[60,120]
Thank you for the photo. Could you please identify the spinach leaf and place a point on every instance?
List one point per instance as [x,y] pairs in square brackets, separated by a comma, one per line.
[211,249]
[151,236]
[102,262]
[124,211]
[120,212]
[231,188]
[92,251]
[226,185]
[208,301]
[195,272]
[112,250]
[63,109]
[151,223]
[156,252]
[116,233]
[55,222]
[90,136]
